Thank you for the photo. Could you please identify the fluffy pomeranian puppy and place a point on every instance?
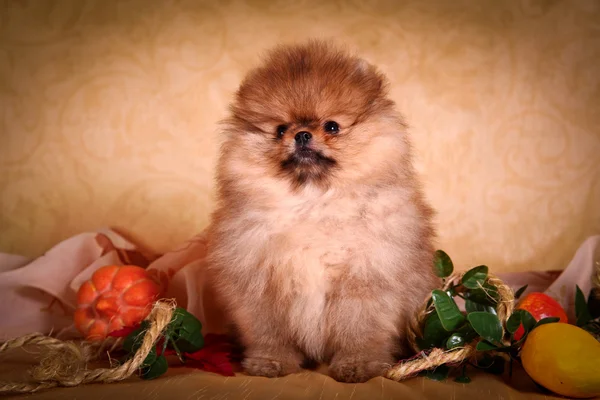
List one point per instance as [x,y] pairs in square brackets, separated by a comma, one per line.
[321,242]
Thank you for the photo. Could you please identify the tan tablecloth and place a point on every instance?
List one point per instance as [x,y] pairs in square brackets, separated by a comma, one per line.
[186,383]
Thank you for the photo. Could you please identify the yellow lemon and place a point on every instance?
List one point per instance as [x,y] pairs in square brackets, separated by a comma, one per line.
[563,358]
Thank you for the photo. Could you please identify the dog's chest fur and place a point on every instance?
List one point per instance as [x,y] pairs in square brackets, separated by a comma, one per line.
[303,252]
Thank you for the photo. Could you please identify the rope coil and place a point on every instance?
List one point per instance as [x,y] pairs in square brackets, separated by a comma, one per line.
[437,357]
[65,363]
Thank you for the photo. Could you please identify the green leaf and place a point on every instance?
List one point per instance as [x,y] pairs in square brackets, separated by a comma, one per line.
[527,320]
[498,365]
[191,325]
[150,358]
[190,342]
[448,311]
[186,331]
[182,319]
[519,317]
[485,361]
[582,311]
[434,333]
[486,295]
[471,306]
[454,341]
[487,325]
[513,322]
[156,369]
[442,264]
[462,379]
[519,292]
[475,277]
[547,320]
[438,374]
[485,346]
[467,331]
[492,364]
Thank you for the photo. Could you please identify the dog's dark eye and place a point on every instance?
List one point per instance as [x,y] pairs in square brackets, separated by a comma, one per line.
[281,130]
[331,127]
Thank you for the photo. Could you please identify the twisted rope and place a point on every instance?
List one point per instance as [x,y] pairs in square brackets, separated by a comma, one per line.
[65,363]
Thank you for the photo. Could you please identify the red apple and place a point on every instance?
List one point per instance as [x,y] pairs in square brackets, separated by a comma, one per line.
[540,306]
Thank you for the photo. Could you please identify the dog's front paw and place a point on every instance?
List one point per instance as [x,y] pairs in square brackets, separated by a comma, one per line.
[267,367]
[356,369]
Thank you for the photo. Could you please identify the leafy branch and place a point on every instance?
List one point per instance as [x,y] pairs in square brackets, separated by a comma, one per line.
[182,336]
[587,313]
[447,327]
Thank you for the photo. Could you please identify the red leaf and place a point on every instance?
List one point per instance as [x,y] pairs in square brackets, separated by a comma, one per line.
[217,342]
[217,363]
[214,356]
[159,346]
[169,352]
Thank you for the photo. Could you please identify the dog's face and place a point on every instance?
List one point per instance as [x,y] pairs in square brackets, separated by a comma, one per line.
[311,114]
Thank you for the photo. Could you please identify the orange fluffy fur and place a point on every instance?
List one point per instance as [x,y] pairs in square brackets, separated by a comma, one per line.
[321,254]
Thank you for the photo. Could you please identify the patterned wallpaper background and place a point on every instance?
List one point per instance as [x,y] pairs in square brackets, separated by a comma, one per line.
[109,112]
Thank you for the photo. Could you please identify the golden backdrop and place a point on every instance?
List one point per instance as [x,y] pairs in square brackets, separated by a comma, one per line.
[109,113]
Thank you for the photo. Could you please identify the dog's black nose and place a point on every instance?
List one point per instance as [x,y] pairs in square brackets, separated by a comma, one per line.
[302,138]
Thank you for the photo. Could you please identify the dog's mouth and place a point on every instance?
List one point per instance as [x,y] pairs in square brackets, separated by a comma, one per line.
[307,164]
[307,157]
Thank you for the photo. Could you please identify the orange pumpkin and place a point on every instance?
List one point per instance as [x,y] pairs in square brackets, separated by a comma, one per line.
[114,298]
